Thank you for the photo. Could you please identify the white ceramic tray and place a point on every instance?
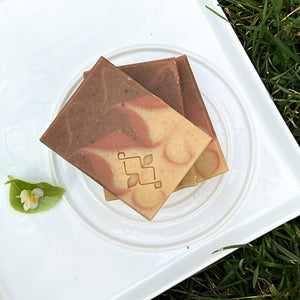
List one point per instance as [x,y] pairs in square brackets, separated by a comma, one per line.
[84,247]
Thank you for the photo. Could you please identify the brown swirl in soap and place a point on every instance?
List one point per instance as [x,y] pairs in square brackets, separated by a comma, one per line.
[90,113]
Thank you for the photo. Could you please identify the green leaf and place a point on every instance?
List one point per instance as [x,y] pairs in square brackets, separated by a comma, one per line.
[52,194]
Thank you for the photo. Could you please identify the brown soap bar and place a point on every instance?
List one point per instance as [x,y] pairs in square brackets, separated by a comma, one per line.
[168,79]
[125,138]
[211,162]
[161,78]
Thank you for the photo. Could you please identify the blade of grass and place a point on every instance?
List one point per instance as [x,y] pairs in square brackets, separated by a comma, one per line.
[293,258]
[216,13]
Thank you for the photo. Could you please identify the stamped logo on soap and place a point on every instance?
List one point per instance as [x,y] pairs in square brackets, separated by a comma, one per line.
[139,170]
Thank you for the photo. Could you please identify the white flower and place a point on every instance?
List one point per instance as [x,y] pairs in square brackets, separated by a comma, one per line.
[30,199]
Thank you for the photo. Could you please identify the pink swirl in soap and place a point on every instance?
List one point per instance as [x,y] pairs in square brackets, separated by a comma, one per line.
[103,170]
[150,102]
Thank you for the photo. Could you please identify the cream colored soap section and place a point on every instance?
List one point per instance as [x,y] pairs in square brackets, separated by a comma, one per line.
[148,175]
[168,125]
[153,173]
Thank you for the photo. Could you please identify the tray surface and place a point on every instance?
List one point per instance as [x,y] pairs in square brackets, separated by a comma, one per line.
[180,215]
[84,247]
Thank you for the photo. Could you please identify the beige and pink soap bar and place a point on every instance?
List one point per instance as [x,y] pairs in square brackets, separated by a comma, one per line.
[173,81]
[126,138]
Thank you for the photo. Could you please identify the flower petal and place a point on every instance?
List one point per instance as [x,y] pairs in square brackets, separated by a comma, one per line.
[24,196]
[34,204]
[26,205]
[37,192]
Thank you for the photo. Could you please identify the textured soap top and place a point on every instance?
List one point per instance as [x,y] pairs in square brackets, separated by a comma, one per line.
[126,138]
[160,77]
[173,81]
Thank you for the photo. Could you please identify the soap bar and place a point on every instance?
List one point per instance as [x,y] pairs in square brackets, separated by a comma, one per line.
[212,161]
[125,138]
[161,78]
[173,81]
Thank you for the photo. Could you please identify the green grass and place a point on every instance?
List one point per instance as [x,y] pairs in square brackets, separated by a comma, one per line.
[269,31]
[269,267]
